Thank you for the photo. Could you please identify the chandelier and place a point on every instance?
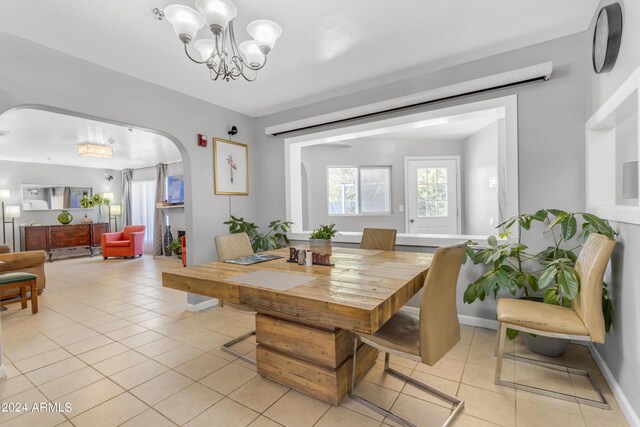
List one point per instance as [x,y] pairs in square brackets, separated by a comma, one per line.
[225,59]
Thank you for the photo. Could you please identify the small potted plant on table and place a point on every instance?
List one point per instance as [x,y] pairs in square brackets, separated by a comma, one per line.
[320,239]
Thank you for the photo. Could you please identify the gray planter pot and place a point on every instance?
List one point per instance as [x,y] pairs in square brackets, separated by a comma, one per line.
[546,346]
[320,246]
[552,347]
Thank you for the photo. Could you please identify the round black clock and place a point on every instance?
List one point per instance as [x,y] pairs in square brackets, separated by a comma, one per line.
[607,37]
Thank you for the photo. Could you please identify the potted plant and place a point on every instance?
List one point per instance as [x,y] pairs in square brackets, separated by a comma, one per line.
[95,201]
[320,239]
[548,275]
[176,247]
[275,238]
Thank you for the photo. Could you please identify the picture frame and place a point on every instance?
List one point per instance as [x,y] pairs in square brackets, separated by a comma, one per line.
[230,167]
[175,189]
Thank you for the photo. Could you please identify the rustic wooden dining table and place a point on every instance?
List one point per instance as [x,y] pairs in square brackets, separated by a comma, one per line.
[306,315]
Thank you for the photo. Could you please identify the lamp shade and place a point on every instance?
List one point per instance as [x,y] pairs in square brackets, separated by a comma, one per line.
[217,13]
[12,211]
[205,47]
[251,53]
[4,195]
[265,33]
[116,210]
[185,21]
[109,196]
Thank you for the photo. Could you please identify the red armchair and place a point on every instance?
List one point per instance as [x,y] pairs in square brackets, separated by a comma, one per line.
[127,243]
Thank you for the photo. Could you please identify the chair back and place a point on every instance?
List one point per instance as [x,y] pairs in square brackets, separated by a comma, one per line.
[591,265]
[439,326]
[126,232]
[382,239]
[233,246]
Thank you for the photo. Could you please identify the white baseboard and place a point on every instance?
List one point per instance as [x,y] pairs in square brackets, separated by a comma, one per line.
[464,319]
[630,414]
[202,305]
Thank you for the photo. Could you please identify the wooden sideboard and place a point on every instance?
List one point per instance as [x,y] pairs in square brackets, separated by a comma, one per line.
[50,238]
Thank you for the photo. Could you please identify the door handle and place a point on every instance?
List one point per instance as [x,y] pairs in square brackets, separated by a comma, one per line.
[412,220]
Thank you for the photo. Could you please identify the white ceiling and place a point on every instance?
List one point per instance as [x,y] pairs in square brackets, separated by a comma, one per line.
[328,48]
[37,136]
[453,130]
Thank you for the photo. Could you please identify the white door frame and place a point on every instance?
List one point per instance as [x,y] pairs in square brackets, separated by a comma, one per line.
[407,159]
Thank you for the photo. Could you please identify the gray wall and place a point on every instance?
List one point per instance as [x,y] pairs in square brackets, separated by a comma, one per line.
[365,152]
[77,85]
[621,351]
[480,162]
[550,126]
[13,174]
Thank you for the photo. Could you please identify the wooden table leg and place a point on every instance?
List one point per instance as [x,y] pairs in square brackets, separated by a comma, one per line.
[313,360]
[34,297]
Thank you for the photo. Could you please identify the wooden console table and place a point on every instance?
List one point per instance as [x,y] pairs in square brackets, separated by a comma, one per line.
[50,238]
[305,314]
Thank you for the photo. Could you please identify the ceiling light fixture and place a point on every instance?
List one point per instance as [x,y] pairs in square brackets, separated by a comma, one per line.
[95,150]
[225,59]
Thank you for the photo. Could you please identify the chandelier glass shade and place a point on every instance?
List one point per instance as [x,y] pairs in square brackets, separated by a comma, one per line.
[225,59]
[95,150]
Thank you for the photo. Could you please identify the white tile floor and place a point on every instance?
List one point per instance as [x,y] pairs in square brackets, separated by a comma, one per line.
[122,350]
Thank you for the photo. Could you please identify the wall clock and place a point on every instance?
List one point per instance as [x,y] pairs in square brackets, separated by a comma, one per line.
[607,37]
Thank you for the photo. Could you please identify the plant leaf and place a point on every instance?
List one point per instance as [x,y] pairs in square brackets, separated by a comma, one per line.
[547,277]
[568,228]
[512,334]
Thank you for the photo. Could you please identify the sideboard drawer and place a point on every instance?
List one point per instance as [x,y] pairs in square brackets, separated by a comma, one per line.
[70,243]
[70,232]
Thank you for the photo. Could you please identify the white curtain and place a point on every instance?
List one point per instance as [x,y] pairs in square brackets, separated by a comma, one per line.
[143,207]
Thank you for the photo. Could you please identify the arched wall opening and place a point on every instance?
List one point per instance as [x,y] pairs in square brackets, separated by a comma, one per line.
[52,146]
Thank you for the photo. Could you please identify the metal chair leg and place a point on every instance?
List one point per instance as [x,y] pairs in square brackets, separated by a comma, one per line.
[226,347]
[457,403]
[600,403]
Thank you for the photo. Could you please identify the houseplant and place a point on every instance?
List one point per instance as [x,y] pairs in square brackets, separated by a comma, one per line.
[320,239]
[95,201]
[176,247]
[548,275]
[275,238]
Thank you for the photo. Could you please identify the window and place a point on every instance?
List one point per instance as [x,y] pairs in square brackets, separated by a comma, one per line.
[432,192]
[359,190]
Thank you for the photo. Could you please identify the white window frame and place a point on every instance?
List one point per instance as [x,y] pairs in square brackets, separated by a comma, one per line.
[358,183]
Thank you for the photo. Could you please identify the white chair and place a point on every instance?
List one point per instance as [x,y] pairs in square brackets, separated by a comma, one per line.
[234,246]
[426,337]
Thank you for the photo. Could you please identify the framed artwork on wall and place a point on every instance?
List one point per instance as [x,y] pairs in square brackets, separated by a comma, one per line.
[230,167]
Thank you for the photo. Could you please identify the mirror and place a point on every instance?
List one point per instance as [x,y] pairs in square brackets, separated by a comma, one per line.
[36,197]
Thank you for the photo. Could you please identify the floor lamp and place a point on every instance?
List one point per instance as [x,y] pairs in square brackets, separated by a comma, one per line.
[5,195]
[12,212]
[114,211]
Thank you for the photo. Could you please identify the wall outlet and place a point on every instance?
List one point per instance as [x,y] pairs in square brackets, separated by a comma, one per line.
[401,208]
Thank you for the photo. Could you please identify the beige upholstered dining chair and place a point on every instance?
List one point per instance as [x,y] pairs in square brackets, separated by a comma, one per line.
[426,337]
[233,246]
[382,239]
[584,321]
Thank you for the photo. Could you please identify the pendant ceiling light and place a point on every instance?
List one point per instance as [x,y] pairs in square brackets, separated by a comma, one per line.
[95,150]
[225,59]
